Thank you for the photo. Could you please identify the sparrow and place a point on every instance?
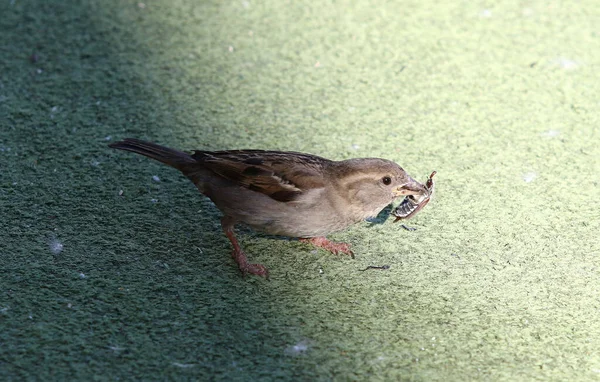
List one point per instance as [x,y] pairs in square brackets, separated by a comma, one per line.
[286,193]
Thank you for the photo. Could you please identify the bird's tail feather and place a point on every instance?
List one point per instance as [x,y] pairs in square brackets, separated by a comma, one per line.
[171,157]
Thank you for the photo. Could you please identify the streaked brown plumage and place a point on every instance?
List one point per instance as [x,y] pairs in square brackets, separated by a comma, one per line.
[286,193]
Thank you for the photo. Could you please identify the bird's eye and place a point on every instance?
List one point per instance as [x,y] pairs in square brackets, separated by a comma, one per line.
[387,180]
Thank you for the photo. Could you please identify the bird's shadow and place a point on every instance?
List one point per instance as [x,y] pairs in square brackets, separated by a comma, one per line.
[381,217]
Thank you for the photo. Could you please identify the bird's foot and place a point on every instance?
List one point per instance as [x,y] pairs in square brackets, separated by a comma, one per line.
[246,267]
[331,246]
[238,255]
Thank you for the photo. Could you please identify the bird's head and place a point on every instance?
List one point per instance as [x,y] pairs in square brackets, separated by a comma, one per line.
[370,184]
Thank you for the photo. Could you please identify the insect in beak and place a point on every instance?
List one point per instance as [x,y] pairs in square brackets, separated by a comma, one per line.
[411,204]
[412,188]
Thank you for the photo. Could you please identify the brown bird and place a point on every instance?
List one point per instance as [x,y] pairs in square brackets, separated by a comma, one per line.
[286,193]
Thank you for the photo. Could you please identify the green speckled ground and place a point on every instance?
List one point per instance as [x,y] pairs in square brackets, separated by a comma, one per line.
[500,281]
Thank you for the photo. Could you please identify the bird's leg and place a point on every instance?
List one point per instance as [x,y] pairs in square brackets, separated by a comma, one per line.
[331,246]
[238,254]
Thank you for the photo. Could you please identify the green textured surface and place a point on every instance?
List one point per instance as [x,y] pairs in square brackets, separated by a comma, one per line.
[500,281]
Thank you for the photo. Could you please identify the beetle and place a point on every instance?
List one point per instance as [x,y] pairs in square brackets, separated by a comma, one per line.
[414,203]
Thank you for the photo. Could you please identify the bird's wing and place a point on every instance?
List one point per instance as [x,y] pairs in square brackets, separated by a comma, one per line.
[283,176]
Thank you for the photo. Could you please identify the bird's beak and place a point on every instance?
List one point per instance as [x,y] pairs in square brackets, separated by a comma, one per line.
[410,188]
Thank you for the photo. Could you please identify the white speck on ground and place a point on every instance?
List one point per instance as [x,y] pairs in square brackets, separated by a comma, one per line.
[486,13]
[154,200]
[155,178]
[56,246]
[566,63]
[183,365]
[529,177]
[108,138]
[300,348]
[527,12]
[550,133]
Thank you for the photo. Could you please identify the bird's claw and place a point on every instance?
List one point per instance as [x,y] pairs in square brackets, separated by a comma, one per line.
[249,268]
[331,246]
